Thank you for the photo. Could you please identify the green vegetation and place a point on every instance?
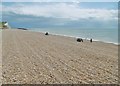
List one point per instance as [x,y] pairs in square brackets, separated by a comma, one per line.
[2,25]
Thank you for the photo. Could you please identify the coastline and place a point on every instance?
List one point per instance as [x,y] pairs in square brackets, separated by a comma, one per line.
[94,40]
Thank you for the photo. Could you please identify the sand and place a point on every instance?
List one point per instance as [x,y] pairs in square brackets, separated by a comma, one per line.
[0,57]
[34,58]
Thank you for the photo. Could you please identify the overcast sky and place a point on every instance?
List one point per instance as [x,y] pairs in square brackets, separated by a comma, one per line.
[60,0]
[63,14]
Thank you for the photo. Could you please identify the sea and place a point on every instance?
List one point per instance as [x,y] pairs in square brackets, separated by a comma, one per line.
[109,35]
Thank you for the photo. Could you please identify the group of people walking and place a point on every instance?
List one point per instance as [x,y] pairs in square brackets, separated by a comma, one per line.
[81,40]
[78,39]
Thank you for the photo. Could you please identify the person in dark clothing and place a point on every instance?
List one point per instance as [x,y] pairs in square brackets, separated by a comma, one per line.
[46,33]
[91,40]
[79,40]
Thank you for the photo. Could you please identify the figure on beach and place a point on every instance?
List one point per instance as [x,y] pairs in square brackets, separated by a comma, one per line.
[79,40]
[46,33]
[91,40]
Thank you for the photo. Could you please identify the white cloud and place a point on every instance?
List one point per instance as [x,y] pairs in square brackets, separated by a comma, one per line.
[60,0]
[62,10]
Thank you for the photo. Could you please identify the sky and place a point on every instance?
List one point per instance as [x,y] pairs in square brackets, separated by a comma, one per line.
[60,0]
[60,14]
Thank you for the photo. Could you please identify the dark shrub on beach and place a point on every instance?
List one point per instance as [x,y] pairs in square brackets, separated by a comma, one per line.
[79,40]
[46,33]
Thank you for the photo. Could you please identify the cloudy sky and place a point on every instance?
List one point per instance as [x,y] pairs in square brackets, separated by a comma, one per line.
[60,0]
[61,14]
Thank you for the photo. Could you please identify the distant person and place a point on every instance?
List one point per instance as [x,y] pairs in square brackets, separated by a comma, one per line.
[91,40]
[79,40]
[46,33]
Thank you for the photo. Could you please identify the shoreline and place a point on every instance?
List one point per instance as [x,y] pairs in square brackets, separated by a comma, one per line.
[94,40]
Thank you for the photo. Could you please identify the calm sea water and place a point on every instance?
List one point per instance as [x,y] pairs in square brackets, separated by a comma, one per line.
[104,34]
